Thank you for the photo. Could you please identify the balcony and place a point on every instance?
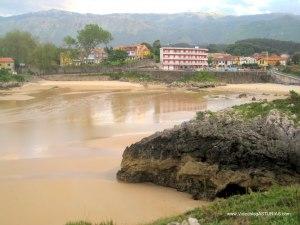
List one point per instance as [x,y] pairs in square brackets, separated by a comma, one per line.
[203,63]
[187,53]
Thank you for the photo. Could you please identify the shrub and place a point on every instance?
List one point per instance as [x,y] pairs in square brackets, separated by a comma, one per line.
[202,76]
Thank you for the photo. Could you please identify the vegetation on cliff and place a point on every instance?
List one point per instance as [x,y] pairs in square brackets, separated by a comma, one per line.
[236,151]
[201,77]
[129,76]
[196,81]
[289,106]
[282,200]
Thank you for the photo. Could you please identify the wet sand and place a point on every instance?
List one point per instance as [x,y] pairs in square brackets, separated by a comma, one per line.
[61,149]
[78,87]
[257,88]
[56,190]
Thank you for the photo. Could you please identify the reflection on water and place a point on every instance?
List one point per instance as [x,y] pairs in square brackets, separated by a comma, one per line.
[57,118]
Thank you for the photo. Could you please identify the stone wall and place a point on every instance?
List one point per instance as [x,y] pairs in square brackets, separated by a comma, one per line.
[171,76]
[223,77]
[6,85]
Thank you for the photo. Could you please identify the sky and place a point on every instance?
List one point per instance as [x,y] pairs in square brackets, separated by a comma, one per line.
[225,7]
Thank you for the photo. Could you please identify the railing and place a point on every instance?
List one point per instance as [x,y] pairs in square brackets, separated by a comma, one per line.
[185,53]
[284,78]
[185,64]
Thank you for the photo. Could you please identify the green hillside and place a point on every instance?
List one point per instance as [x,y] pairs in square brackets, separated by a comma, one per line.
[192,28]
[251,46]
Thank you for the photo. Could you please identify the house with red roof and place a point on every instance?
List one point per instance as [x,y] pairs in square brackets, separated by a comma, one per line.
[7,63]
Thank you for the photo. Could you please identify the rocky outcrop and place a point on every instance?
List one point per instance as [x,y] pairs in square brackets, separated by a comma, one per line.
[189,221]
[7,85]
[195,86]
[218,155]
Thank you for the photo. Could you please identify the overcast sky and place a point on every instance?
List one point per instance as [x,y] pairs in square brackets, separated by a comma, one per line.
[231,7]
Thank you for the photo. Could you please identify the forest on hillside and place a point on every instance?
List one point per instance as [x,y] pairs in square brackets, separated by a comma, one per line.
[248,47]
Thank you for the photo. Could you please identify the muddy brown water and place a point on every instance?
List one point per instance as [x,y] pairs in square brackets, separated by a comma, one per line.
[59,153]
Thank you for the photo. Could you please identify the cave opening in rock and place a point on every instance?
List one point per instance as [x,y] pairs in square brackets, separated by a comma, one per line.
[230,190]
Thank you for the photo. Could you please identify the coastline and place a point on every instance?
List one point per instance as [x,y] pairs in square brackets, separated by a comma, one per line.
[25,92]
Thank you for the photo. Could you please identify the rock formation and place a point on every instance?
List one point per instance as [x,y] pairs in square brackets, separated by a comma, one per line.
[219,155]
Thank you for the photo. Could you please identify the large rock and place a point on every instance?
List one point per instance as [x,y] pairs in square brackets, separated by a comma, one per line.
[217,156]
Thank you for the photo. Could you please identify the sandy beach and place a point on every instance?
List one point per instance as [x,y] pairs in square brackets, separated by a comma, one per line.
[25,92]
[268,88]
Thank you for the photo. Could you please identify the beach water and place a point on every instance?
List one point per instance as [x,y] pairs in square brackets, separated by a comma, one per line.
[61,146]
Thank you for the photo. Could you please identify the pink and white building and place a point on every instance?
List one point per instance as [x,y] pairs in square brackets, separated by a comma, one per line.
[175,58]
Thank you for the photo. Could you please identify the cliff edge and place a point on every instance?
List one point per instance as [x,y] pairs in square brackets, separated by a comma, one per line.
[219,154]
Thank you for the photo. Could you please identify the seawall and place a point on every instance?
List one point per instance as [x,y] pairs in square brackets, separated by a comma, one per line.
[171,76]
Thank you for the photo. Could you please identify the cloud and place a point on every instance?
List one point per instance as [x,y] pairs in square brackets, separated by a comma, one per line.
[11,7]
[238,7]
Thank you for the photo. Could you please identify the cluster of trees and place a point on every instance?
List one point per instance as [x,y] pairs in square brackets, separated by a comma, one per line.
[296,58]
[93,35]
[250,46]
[30,53]
[26,50]
[88,38]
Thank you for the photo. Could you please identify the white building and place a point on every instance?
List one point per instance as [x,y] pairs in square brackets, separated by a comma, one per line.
[176,58]
[247,60]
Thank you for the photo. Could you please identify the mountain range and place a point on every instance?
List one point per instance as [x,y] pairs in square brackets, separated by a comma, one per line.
[193,28]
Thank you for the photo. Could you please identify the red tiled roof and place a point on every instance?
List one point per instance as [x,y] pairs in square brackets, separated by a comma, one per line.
[6,60]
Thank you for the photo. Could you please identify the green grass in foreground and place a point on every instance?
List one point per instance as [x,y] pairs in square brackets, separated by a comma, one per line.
[277,200]
[289,106]
[201,77]
[88,223]
[282,200]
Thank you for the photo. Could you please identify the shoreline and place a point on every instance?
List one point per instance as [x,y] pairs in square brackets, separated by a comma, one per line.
[26,91]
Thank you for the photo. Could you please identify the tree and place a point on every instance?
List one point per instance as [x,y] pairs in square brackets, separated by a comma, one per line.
[147,45]
[296,58]
[116,55]
[46,57]
[91,36]
[18,45]
[210,60]
[241,49]
[70,42]
[156,50]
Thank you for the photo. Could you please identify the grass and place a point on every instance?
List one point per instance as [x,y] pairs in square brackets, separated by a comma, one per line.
[277,200]
[88,223]
[201,77]
[289,106]
[283,201]
[293,70]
